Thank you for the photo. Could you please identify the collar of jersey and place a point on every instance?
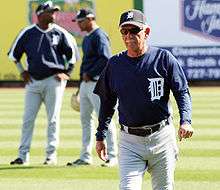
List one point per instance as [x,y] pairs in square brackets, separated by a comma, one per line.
[51,26]
[95,28]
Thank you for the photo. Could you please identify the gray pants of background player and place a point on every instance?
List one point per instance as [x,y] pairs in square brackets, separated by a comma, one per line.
[50,92]
[88,103]
[156,153]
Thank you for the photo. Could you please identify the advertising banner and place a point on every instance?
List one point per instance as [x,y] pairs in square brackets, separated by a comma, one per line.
[190,29]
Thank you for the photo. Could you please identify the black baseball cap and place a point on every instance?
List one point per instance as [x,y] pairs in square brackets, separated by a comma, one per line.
[133,17]
[47,6]
[83,14]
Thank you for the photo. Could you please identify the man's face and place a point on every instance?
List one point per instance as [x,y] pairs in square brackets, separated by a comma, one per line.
[133,37]
[48,16]
[83,24]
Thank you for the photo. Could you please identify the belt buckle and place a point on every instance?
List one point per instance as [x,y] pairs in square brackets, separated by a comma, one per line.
[149,130]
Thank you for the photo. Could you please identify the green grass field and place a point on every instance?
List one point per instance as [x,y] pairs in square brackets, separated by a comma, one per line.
[198,167]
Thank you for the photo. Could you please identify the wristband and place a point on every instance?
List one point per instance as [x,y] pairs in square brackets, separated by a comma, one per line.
[19,67]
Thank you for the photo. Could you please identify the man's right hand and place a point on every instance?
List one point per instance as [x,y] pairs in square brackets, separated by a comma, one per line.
[101,150]
[26,77]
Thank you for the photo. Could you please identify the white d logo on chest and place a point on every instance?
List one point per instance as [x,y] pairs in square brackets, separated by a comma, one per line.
[55,39]
[156,88]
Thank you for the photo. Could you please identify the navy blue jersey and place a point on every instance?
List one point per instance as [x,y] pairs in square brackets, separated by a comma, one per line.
[96,52]
[47,51]
[142,87]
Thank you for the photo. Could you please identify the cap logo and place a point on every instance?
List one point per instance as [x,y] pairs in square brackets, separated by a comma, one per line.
[130,15]
[78,13]
[49,3]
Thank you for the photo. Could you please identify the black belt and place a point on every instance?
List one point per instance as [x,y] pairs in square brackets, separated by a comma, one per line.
[144,131]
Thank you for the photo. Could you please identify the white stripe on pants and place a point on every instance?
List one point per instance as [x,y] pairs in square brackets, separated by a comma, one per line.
[50,92]
[89,102]
[156,153]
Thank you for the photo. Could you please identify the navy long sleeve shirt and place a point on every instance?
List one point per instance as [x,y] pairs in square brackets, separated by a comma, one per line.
[142,87]
[96,52]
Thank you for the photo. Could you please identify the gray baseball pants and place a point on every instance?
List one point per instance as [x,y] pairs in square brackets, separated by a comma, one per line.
[50,92]
[156,153]
[90,102]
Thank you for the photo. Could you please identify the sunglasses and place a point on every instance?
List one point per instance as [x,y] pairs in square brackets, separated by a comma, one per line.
[135,30]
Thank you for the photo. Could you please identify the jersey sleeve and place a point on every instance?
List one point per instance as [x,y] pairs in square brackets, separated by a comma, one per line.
[103,50]
[70,51]
[108,101]
[17,49]
[180,89]
[70,48]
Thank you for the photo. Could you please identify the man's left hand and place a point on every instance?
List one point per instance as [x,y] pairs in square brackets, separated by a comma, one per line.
[185,131]
[101,150]
[62,76]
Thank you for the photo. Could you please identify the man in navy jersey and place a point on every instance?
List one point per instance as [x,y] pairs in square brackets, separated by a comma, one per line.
[51,53]
[96,52]
[141,79]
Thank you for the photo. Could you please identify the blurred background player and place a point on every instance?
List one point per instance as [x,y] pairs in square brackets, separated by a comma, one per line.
[141,78]
[51,52]
[96,52]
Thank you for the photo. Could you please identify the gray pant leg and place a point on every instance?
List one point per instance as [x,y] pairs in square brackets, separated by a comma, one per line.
[53,94]
[132,166]
[89,102]
[111,139]
[87,124]
[163,160]
[32,104]
[162,172]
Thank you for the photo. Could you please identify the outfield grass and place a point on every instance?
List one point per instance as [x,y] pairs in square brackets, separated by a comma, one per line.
[198,167]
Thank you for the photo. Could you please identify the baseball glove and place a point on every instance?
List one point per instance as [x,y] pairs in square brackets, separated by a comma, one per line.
[75,101]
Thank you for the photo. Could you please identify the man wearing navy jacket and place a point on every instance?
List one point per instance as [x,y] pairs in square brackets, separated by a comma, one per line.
[141,79]
[51,53]
[96,52]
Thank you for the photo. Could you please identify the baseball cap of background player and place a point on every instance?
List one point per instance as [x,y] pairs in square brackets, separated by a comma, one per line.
[134,17]
[47,6]
[83,14]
